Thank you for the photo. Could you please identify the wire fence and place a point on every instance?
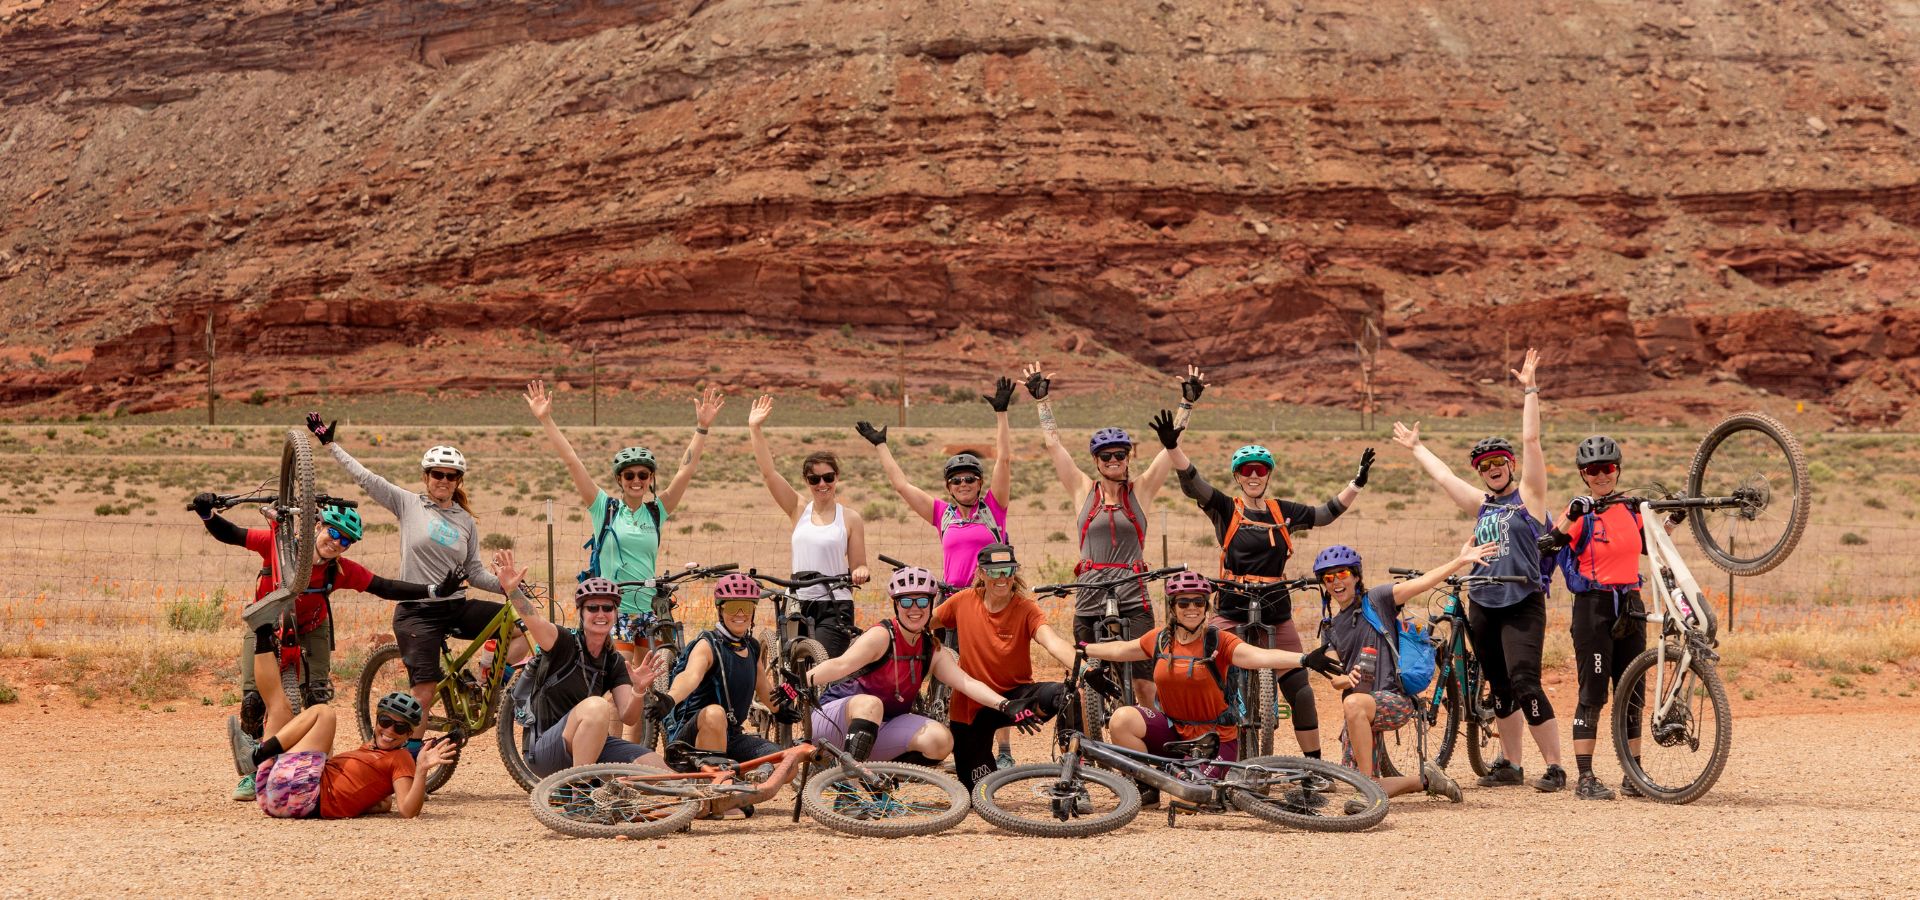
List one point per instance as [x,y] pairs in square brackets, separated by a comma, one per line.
[82,579]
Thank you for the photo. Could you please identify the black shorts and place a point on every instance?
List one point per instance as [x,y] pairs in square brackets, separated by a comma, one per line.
[1599,657]
[421,630]
[742,745]
[1134,625]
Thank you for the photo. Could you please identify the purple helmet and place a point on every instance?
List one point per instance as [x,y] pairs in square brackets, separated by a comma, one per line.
[735,586]
[595,587]
[911,580]
[1338,556]
[1188,582]
[1108,437]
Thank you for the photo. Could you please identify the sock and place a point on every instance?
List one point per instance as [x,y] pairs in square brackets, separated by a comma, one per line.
[1006,746]
[1585,762]
[263,639]
[916,758]
[1310,754]
[267,750]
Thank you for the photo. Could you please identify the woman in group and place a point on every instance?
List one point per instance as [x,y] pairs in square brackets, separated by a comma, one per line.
[1508,622]
[439,538]
[627,528]
[868,709]
[1113,516]
[1190,659]
[1377,702]
[829,537]
[1255,533]
[997,621]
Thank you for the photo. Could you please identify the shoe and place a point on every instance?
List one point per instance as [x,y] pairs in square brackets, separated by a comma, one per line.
[244,790]
[253,714]
[242,745]
[1149,795]
[1502,774]
[1554,780]
[1357,806]
[266,610]
[1438,784]
[1627,789]
[1003,761]
[1591,789]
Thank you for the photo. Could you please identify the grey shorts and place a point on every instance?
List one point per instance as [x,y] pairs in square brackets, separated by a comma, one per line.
[549,754]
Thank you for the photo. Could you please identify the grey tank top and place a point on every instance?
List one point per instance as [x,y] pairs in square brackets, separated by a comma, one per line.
[1112,546]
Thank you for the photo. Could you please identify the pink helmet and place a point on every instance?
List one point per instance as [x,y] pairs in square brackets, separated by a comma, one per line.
[911,580]
[735,586]
[1188,582]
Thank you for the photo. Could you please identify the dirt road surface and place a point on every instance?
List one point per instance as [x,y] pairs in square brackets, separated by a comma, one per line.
[130,802]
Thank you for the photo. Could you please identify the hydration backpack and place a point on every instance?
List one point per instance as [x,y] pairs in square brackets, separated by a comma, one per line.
[1413,654]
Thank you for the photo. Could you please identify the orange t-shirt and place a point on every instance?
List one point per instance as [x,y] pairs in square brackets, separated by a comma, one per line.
[357,779]
[1187,689]
[993,645]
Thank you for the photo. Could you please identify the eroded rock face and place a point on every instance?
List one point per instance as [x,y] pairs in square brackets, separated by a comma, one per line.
[1691,195]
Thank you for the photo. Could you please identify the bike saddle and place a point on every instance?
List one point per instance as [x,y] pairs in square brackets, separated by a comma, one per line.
[1202,747]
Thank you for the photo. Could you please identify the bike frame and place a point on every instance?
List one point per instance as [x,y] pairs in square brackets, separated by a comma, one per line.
[1678,606]
[479,717]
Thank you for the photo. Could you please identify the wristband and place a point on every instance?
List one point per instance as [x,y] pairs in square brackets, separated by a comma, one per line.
[1532,390]
[1185,405]
[699,430]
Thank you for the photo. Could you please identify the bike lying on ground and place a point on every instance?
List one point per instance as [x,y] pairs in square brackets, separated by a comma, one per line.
[1097,708]
[666,635]
[1071,798]
[1461,699]
[1258,691]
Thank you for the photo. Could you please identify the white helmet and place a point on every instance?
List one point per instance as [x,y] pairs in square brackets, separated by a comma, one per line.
[443,457]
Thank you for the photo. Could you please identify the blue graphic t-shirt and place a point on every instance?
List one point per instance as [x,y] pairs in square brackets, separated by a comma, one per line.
[1504,520]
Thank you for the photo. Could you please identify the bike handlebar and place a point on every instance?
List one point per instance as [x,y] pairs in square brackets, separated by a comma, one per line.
[688,573]
[1149,575]
[1457,580]
[229,501]
[1251,587]
[802,580]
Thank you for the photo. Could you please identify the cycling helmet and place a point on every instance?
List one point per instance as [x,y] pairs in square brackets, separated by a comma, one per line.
[595,587]
[735,586]
[1250,453]
[1489,446]
[1108,437]
[443,457]
[1188,582]
[346,521]
[965,462]
[1597,449]
[911,580]
[1338,556]
[634,456]
[401,705]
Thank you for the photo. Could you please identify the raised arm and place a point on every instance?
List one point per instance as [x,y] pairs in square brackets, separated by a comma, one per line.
[917,500]
[382,491]
[1463,495]
[1001,481]
[1075,481]
[783,493]
[542,631]
[1117,651]
[1533,460]
[1469,554]
[705,410]
[1168,428]
[541,403]
[869,646]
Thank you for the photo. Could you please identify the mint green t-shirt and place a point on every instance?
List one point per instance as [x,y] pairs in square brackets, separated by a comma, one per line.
[629,550]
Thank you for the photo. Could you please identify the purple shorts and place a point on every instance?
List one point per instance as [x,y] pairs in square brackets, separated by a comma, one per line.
[830,726]
[1160,733]
[288,786]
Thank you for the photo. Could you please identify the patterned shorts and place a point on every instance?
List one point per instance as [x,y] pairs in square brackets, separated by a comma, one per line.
[1391,710]
[631,628]
[288,786]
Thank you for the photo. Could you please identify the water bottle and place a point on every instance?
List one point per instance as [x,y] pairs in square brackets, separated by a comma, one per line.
[483,661]
[1363,670]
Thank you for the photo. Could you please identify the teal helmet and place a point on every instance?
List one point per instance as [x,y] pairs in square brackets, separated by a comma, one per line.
[634,456]
[344,520]
[1250,453]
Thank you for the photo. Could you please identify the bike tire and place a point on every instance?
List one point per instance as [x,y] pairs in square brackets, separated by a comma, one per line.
[823,805]
[290,685]
[653,728]
[1450,731]
[1480,721]
[801,655]
[512,738]
[1793,459]
[1093,713]
[1265,718]
[1013,779]
[296,491]
[364,699]
[558,803]
[1271,809]
[1635,677]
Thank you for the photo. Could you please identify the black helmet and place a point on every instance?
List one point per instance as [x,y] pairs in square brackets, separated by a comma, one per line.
[1597,449]
[1489,446]
[965,462]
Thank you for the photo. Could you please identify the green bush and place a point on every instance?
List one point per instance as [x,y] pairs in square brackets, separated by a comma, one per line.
[1852,540]
[7,693]
[189,614]
[496,541]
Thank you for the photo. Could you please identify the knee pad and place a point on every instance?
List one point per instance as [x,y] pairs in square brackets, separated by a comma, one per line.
[1533,705]
[1586,722]
[1299,693]
[1502,706]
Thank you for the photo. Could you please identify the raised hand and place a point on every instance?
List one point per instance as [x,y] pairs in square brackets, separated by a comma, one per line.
[762,408]
[325,434]
[1366,465]
[1192,386]
[438,752]
[1162,425]
[1407,437]
[874,436]
[1037,384]
[538,400]
[1526,371]
[203,504]
[503,569]
[707,406]
[1579,506]
[1002,395]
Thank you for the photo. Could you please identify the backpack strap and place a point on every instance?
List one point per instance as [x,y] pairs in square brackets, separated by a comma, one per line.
[1094,506]
[1240,518]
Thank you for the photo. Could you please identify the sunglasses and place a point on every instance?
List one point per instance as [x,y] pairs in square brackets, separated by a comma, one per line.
[738,607]
[635,474]
[964,479]
[1337,575]
[914,602]
[1495,462]
[1189,602]
[339,538]
[822,478]
[396,726]
[1254,470]
[1113,455]
[601,607]
[1599,469]
[998,571]
[439,475]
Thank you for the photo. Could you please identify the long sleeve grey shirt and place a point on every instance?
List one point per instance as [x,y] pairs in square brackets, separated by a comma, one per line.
[434,539]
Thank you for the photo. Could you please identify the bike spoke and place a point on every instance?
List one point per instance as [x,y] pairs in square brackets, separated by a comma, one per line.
[601,800]
[1047,798]
[905,799]
[1677,745]
[1751,465]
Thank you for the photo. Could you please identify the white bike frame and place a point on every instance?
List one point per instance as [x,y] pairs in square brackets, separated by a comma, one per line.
[1676,598]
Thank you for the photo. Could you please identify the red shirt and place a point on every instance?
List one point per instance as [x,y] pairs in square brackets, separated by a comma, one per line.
[993,645]
[1612,557]
[354,781]
[1187,688]
[312,605]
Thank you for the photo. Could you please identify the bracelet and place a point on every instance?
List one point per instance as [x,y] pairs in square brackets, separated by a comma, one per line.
[1185,405]
[1532,390]
[699,430]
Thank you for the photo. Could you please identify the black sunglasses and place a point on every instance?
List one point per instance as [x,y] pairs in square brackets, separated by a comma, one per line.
[1113,455]
[964,479]
[1186,602]
[438,475]
[635,475]
[601,607]
[824,478]
[394,725]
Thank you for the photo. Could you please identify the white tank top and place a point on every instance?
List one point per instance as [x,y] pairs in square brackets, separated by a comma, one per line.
[821,548]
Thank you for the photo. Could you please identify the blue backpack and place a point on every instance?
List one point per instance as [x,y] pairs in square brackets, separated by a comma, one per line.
[1413,653]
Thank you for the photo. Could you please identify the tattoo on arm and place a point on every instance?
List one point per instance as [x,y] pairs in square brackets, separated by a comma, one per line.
[1046,416]
[1181,415]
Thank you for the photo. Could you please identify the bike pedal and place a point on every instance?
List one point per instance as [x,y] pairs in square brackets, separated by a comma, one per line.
[1177,808]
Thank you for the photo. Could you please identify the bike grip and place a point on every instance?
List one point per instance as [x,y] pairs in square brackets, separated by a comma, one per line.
[1410,573]
[721,569]
[1162,573]
[891,561]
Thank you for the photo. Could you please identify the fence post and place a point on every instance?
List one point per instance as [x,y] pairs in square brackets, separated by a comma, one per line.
[1163,540]
[550,580]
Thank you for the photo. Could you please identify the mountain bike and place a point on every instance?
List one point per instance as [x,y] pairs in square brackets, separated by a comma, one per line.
[465,704]
[1257,692]
[1461,699]
[1070,798]
[936,699]
[666,635]
[794,648]
[1110,627]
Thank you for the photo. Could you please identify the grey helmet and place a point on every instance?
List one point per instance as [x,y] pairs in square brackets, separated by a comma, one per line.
[964,462]
[1597,449]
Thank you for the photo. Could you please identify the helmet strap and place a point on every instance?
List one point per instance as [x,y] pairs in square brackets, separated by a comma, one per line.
[1180,629]
[733,641]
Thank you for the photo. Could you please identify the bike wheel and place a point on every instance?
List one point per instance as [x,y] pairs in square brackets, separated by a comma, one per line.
[652,728]
[801,655]
[1684,749]
[1265,712]
[1483,738]
[912,800]
[1444,707]
[512,738]
[295,549]
[1752,456]
[935,703]
[385,673]
[596,801]
[1029,799]
[290,685]
[1307,793]
[1092,707]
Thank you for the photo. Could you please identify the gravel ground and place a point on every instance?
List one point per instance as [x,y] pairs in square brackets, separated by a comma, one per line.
[135,803]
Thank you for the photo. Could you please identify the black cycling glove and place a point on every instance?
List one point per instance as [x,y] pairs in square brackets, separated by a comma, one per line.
[657,705]
[1366,465]
[874,436]
[1021,713]
[1002,395]
[1551,542]
[1320,659]
[1037,385]
[1191,387]
[449,585]
[203,504]
[1162,425]
[326,433]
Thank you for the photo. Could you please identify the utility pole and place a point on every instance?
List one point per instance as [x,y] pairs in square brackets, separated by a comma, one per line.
[593,381]
[210,355]
[900,380]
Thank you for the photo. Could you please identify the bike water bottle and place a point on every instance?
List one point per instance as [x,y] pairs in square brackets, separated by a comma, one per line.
[1363,670]
[484,659]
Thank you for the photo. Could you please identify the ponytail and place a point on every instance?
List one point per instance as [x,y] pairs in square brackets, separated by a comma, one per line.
[460,497]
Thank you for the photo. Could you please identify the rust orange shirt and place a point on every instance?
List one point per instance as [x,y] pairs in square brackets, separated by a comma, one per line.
[1187,688]
[993,645]
[357,779]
